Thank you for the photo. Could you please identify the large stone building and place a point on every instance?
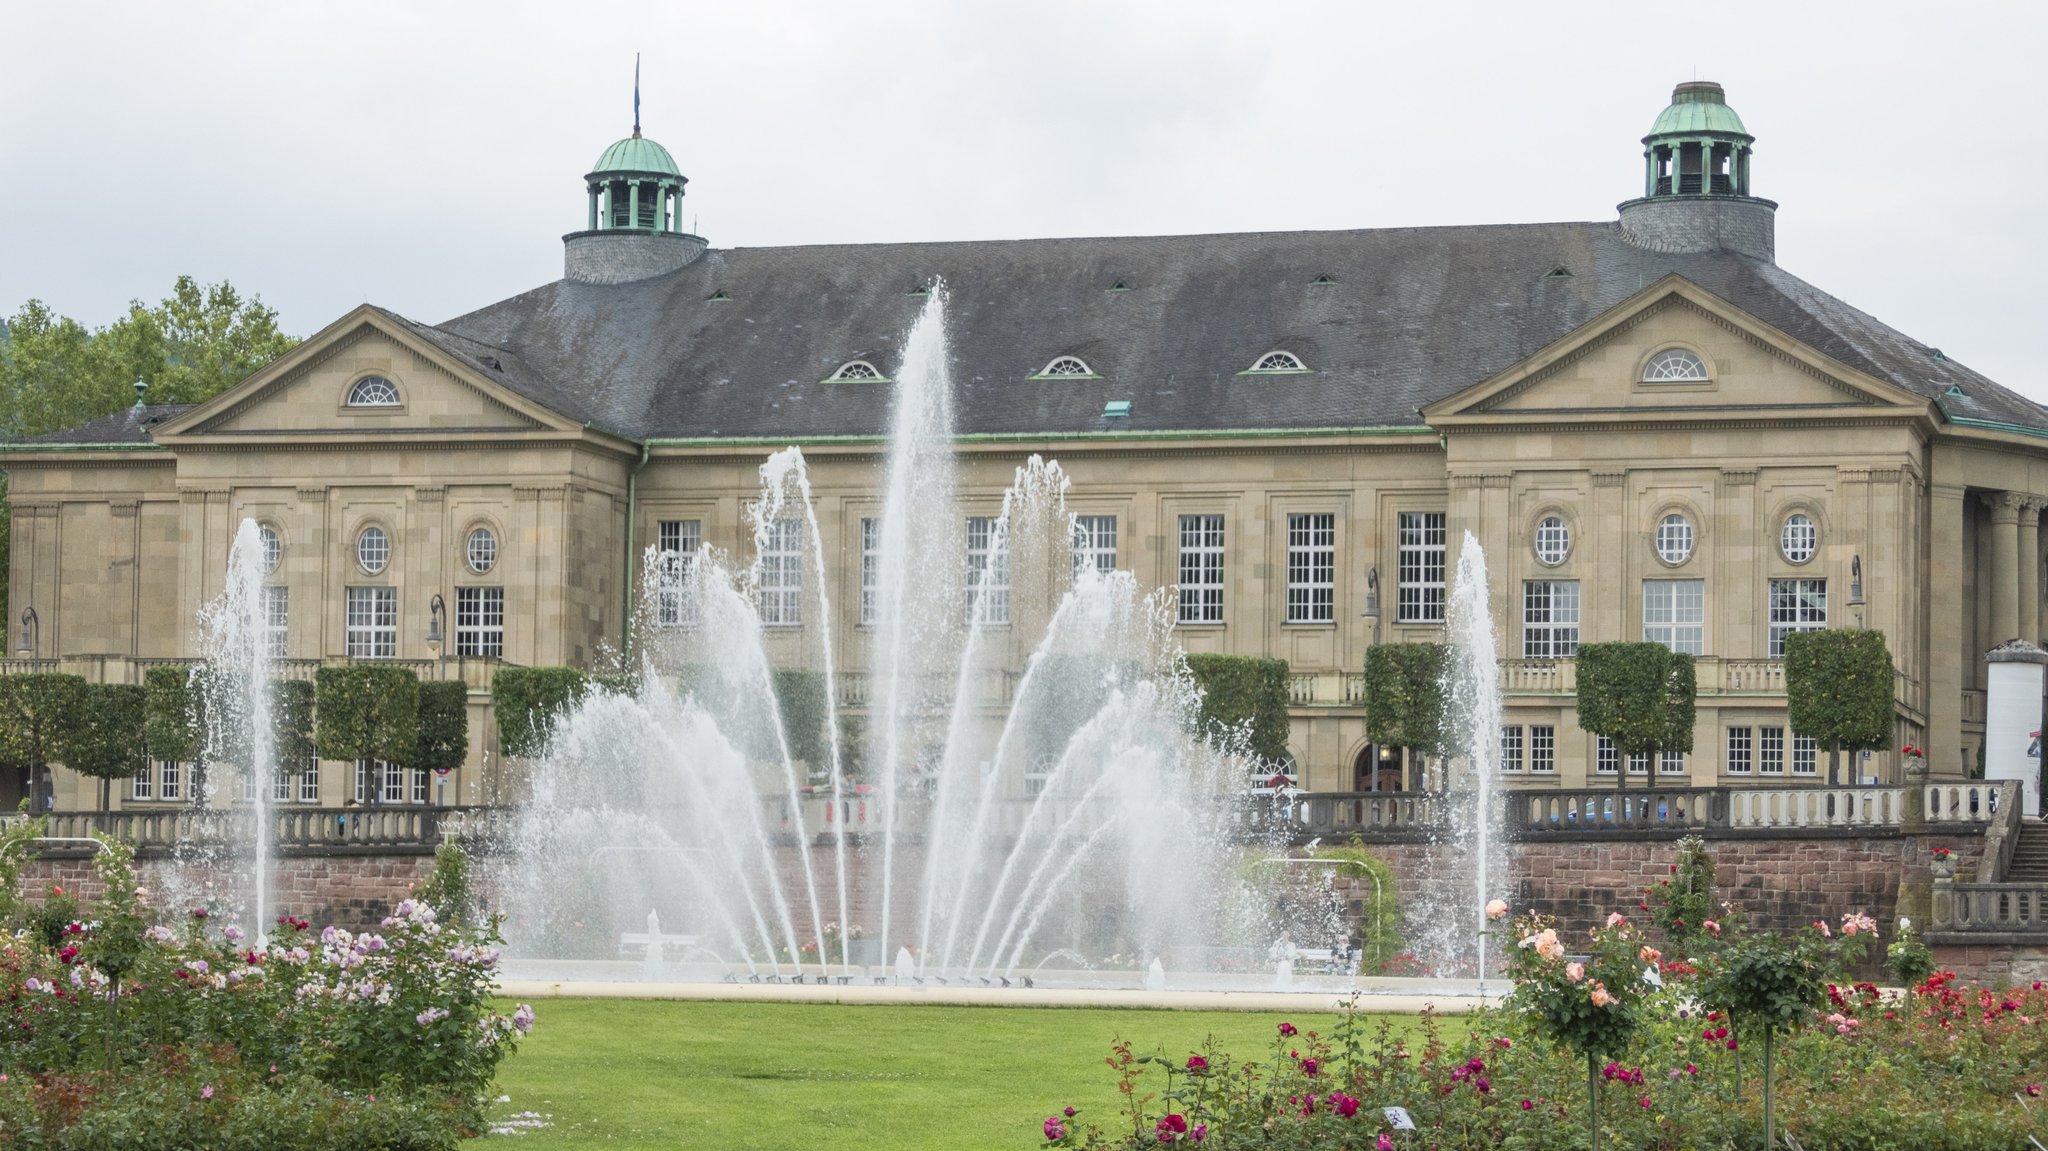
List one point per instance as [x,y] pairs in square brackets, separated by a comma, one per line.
[1654,430]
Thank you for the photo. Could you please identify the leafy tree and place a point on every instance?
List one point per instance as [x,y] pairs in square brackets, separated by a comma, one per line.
[1640,696]
[1404,696]
[443,740]
[529,700]
[106,743]
[1838,691]
[1248,691]
[172,727]
[39,715]
[366,712]
[291,724]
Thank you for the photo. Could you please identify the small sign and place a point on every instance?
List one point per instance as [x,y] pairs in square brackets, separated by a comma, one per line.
[1397,1117]
[443,770]
[1651,977]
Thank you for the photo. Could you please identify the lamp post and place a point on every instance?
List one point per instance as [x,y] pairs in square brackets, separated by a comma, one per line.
[1856,600]
[437,610]
[31,635]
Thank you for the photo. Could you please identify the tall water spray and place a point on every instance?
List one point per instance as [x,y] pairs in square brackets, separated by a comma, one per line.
[1472,698]
[1004,766]
[235,691]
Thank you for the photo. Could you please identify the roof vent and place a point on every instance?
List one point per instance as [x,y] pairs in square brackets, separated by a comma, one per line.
[1936,353]
[1120,286]
[1116,409]
[921,290]
[1558,273]
[1322,279]
[1956,390]
[718,297]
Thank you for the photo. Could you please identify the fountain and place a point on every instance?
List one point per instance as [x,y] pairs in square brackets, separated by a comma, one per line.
[1002,772]
[235,702]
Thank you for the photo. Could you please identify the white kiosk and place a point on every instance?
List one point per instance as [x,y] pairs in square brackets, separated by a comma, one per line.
[2012,719]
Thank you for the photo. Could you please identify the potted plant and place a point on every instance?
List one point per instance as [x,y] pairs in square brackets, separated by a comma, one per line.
[1941,864]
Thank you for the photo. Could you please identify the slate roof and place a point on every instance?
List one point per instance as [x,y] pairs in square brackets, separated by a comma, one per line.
[130,425]
[1410,316]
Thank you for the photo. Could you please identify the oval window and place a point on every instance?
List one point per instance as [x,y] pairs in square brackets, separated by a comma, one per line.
[483,550]
[1799,538]
[1553,541]
[269,547]
[1674,539]
[373,550]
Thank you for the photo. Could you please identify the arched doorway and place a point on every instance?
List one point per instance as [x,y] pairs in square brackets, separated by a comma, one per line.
[1379,769]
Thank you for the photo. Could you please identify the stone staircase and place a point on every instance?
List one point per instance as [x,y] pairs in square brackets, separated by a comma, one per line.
[2030,854]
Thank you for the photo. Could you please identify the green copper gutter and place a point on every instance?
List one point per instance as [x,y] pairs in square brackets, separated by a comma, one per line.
[1041,437]
[1990,425]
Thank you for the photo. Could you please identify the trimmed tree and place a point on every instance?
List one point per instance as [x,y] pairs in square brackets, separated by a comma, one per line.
[529,700]
[366,712]
[800,696]
[291,723]
[1838,691]
[108,743]
[1244,691]
[173,727]
[1404,696]
[443,739]
[39,715]
[1640,696]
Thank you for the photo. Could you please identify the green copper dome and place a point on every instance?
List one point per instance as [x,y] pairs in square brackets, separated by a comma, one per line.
[1698,106]
[636,153]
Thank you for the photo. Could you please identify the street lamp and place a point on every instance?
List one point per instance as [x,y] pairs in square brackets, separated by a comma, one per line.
[437,609]
[1372,601]
[1856,599]
[31,634]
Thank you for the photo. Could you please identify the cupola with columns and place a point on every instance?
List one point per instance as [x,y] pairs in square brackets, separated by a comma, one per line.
[635,220]
[1696,173]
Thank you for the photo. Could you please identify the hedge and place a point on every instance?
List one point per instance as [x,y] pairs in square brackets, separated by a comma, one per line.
[800,695]
[529,700]
[1404,695]
[1248,691]
[291,711]
[1640,695]
[366,712]
[442,742]
[172,725]
[39,714]
[1838,690]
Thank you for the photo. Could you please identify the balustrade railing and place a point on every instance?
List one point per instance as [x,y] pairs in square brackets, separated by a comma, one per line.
[1341,814]
[1808,807]
[395,828]
[2006,908]
[1540,813]
[1962,802]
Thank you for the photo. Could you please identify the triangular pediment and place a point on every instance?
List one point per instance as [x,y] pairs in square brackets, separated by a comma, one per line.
[1749,370]
[306,392]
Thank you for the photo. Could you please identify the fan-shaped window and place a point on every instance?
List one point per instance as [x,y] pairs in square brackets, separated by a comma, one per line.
[1675,366]
[373,550]
[855,370]
[1066,366]
[1277,361]
[373,392]
[483,550]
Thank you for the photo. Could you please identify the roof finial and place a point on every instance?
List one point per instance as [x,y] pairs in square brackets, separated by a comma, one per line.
[140,387]
[636,95]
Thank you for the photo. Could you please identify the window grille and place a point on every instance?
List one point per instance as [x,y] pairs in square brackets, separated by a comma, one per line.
[675,554]
[371,623]
[1542,749]
[1278,361]
[855,370]
[373,392]
[870,569]
[988,572]
[1674,614]
[1510,749]
[480,621]
[1805,754]
[482,550]
[170,780]
[1798,539]
[1675,366]
[373,550]
[1770,751]
[1419,598]
[1740,742]
[1550,619]
[1796,605]
[1311,568]
[1201,569]
[277,618]
[780,592]
[1674,539]
[1066,366]
[270,547]
[1094,544]
[1553,541]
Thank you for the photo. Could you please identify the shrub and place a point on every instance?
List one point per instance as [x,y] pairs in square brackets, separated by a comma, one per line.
[106,741]
[173,727]
[1682,904]
[1838,690]
[1404,695]
[800,696]
[366,712]
[39,715]
[291,711]
[529,700]
[1248,693]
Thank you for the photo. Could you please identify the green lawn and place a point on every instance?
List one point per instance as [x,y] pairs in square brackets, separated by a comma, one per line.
[783,1076]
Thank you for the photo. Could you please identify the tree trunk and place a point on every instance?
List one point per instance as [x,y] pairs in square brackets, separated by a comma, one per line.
[1593,1101]
[1770,1131]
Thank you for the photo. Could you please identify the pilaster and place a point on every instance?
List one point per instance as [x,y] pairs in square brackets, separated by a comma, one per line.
[1945,668]
[2005,565]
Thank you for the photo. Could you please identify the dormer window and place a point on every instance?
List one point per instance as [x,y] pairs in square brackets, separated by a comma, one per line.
[1066,367]
[373,392]
[856,371]
[1277,362]
[1675,366]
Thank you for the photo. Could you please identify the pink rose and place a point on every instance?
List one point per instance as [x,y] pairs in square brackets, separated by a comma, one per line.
[1574,971]
[1496,908]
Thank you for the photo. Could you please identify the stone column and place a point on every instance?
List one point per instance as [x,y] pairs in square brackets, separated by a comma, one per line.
[593,207]
[2005,565]
[1947,673]
[633,204]
[2030,570]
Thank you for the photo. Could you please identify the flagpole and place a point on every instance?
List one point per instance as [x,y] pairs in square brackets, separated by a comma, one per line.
[636,93]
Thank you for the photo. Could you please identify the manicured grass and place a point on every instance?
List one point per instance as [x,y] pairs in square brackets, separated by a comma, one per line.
[779,1076]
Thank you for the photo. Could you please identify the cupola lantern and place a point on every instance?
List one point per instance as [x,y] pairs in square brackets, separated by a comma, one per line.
[634,225]
[1696,181]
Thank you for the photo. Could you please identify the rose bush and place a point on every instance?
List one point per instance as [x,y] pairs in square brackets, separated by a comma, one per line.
[124,1032]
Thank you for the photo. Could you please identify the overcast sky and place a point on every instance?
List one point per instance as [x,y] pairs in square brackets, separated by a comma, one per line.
[428,157]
